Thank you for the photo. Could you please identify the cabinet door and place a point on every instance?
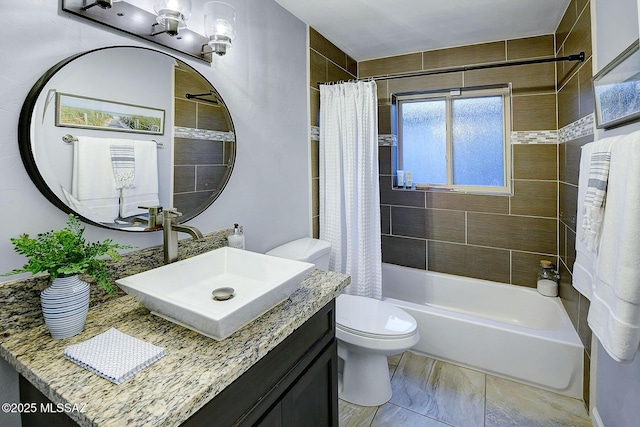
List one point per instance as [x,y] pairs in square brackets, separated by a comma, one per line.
[313,400]
[273,417]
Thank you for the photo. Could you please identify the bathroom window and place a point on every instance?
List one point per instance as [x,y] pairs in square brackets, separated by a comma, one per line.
[456,139]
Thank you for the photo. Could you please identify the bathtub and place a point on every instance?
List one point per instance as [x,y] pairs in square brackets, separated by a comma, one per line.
[509,331]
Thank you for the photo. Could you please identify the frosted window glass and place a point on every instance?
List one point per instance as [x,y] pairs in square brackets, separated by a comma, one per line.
[424,140]
[477,139]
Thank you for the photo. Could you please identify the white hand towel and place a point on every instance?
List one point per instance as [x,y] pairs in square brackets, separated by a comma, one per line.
[145,190]
[584,266]
[614,313]
[114,355]
[93,183]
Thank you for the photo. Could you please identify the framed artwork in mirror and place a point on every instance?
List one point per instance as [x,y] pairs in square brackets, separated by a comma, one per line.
[617,90]
[90,113]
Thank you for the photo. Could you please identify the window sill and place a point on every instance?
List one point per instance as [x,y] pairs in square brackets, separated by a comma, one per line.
[427,189]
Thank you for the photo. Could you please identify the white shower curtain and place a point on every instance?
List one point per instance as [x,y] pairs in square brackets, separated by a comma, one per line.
[349,194]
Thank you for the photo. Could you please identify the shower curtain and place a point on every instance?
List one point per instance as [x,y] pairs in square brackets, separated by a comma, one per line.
[349,194]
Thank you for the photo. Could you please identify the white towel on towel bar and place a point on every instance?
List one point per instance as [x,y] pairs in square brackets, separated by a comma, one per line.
[93,186]
[145,187]
[614,313]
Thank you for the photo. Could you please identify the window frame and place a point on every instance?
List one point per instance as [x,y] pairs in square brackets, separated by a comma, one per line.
[448,95]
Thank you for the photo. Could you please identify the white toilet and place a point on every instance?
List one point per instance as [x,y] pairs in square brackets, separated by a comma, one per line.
[368,330]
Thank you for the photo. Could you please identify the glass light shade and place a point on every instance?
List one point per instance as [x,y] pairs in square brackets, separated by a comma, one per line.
[219,25]
[172,14]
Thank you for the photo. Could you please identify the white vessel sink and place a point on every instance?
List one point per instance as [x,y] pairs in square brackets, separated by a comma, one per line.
[181,292]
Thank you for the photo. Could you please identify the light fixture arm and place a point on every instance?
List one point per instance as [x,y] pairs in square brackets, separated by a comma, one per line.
[155,33]
[104,4]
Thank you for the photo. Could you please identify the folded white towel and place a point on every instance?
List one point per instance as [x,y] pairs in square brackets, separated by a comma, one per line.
[93,184]
[145,190]
[594,199]
[584,266]
[114,355]
[614,313]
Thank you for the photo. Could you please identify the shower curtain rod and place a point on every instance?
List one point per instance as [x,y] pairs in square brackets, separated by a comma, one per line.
[576,57]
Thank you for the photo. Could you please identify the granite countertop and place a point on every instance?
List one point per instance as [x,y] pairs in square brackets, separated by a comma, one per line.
[168,392]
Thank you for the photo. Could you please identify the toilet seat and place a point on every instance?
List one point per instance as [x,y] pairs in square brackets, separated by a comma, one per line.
[373,318]
[374,336]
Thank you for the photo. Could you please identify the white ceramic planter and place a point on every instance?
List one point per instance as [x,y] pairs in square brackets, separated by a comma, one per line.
[65,305]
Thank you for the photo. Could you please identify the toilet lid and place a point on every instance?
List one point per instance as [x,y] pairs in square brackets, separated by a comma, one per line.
[373,317]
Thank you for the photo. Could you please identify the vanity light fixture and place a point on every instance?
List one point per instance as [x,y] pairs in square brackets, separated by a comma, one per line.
[172,15]
[167,26]
[219,26]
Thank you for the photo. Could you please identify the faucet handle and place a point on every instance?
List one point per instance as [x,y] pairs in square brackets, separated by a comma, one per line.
[153,210]
[171,212]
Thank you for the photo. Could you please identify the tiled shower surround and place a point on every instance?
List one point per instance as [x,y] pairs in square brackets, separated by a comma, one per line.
[495,237]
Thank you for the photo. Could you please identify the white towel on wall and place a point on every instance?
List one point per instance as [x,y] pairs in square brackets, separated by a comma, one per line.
[584,266]
[93,185]
[145,190]
[614,313]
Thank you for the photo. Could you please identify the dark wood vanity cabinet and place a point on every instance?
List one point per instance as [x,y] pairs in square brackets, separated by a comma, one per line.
[294,385]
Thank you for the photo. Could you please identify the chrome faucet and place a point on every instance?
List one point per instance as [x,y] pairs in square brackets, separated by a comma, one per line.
[170,231]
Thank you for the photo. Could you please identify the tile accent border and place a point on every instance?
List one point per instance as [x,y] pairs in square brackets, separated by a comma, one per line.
[387,140]
[192,133]
[534,137]
[577,129]
[383,140]
[582,127]
[315,133]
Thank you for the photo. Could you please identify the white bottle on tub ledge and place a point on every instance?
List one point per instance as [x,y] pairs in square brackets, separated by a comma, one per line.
[236,239]
[547,279]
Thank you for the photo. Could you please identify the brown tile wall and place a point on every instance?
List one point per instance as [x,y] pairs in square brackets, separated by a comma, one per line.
[575,101]
[200,166]
[327,64]
[500,238]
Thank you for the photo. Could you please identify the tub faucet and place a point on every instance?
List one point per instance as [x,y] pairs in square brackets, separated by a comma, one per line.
[170,229]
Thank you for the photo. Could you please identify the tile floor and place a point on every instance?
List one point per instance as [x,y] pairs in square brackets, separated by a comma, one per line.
[431,393]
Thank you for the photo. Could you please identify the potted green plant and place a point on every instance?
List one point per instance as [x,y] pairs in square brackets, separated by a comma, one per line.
[65,254]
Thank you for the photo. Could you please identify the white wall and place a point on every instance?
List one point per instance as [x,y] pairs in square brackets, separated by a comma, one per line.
[617,385]
[263,80]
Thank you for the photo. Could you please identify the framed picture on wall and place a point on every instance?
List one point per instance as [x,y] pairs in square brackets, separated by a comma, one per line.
[617,90]
[91,113]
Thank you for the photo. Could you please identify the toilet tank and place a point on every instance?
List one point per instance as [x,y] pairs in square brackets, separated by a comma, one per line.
[306,249]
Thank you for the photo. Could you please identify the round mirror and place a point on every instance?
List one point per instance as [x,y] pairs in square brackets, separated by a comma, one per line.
[107,133]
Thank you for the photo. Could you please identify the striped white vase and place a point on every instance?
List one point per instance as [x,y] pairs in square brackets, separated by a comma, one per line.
[65,305]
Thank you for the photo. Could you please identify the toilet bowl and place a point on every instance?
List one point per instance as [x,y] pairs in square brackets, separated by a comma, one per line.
[367,330]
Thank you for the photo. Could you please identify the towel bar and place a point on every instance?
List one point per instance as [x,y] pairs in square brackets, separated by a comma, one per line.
[68,138]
